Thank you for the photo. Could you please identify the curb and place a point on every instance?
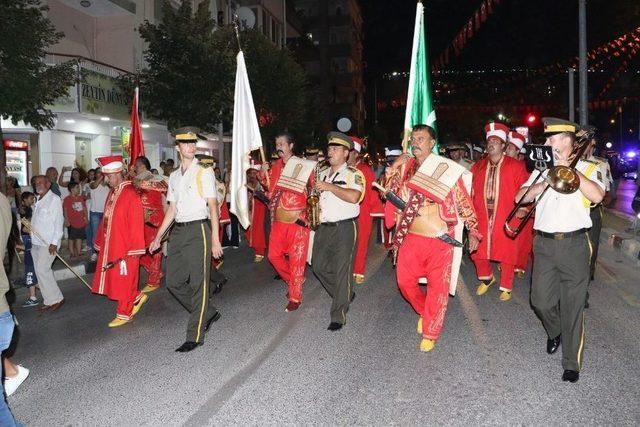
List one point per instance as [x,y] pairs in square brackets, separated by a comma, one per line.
[625,242]
[60,272]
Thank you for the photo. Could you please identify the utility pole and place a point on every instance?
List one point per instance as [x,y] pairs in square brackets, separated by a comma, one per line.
[284,25]
[582,47]
[572,97]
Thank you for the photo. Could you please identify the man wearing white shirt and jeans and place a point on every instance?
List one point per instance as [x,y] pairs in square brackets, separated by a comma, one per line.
[99,192]
[47,223]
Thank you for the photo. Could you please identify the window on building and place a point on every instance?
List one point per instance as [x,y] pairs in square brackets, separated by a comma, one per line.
[339,35]
[339,65]
[265,24]
[274,30]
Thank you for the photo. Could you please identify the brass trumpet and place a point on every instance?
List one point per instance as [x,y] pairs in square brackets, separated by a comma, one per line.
[563,179]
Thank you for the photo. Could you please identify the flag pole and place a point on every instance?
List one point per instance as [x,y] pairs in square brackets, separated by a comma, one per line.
[263,158]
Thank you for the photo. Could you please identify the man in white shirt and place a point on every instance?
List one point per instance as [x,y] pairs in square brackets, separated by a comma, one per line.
[47,222]
[193,205]
[99,191]
[562,249]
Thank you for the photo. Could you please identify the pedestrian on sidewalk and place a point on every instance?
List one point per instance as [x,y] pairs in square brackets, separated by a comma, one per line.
[193,241]
[46,223]
[6,318]
[120,243]
[99,190]
[75,218]
[30,279]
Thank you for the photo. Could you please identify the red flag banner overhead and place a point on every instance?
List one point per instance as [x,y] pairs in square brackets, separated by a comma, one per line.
[136,147]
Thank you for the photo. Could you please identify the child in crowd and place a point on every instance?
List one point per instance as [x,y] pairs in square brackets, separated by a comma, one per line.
[75,218]
[27,200]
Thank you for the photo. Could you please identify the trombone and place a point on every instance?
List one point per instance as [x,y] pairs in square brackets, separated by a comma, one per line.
[563,179]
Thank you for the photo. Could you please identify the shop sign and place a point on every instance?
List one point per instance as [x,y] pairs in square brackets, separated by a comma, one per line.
[10,144]
[100,95]
[67,103]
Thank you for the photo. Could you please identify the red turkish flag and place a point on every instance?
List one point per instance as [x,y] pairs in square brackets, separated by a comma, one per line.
[136,147]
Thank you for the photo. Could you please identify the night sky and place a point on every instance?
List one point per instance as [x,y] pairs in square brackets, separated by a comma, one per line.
[519,34]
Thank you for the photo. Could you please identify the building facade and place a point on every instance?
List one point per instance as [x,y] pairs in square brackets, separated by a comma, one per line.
[334,27]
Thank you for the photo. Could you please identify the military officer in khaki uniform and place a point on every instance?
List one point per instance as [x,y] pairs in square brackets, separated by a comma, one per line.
[562,249]
[193,205]
[341,189]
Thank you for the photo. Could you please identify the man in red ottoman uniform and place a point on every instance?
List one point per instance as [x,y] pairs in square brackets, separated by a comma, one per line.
[365,218]
[120,243]
[525,238]
[152,189]
[255,233]
[496,180]
[289,181]
[436,193]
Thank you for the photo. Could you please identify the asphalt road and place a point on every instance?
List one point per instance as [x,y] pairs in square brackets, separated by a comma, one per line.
[260,365]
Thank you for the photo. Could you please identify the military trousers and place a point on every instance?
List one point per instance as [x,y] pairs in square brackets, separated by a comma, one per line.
[188,269]
[334,247]
[558,291]
[594,235]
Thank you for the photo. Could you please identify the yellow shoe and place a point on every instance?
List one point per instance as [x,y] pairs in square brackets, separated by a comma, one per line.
[484,287]
[520,274]
[148,289]
[427,345]
[137,306]
[117,322]
[419,327]
[505,296]
[258,258]
[358,278]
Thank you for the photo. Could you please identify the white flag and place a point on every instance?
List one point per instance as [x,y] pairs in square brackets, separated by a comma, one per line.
[246,138]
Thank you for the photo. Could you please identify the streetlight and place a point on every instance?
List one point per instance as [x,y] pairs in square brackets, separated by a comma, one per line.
[608,145]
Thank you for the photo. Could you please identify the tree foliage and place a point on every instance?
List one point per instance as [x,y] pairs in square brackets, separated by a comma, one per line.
[191,73]
[28,85]
[189,78]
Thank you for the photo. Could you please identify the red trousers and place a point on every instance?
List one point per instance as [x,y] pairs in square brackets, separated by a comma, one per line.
[128,293]
[431,258]
[288,246]
[153,265]
[485,272]
[365,224]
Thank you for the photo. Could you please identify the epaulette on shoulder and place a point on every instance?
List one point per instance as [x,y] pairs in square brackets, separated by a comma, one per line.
[600,159]
[205,164]
[593,162]
[352,169]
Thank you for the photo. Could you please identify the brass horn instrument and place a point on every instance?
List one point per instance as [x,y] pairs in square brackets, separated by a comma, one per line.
[563,179]
[313,200]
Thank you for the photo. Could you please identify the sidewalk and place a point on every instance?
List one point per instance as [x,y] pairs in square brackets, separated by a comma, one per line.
[82,265]
[617,232]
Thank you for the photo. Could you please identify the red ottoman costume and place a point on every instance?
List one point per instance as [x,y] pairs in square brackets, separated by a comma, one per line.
[120,243]
[494,191]
[152,189]
[289,241]
[437,200]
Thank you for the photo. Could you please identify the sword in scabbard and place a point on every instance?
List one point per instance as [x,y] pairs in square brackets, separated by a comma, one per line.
[396,201]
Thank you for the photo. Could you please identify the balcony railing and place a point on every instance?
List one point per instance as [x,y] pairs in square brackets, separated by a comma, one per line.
[86,63]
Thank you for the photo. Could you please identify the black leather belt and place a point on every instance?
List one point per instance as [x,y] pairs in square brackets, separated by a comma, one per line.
[336,223]
[196,222]
[560,236]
